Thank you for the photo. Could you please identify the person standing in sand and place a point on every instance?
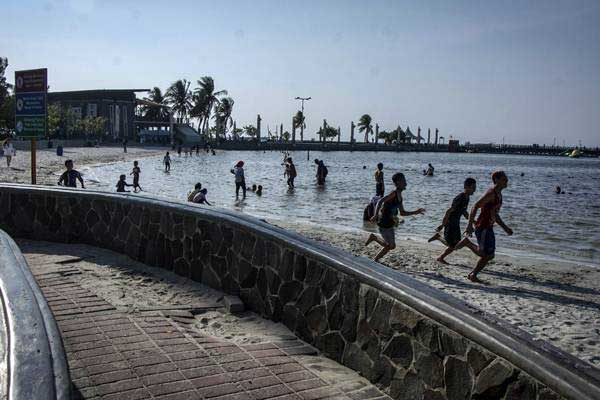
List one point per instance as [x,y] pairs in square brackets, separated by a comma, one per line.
[379,182]
[389,206]
[490,205]
[9,151]
[451,221]
[136,177]
[167,162]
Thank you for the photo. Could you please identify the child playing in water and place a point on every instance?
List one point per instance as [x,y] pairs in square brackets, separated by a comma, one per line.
[490,205]
[379,182]
[136,177]
[451,221]
[259,190]
[121,184]
[200,197]
[167,162]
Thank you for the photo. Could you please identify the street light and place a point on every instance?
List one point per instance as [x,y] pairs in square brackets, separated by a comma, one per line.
[302,99]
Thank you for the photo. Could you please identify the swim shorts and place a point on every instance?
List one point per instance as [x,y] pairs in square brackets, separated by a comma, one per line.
[389,235]
[452,234]
[486,241]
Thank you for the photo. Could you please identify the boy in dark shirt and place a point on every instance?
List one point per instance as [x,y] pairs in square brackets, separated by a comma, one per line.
[451,221]
[136,177]
[70,176]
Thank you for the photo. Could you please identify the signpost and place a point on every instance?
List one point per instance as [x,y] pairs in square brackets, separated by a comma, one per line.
[31,89]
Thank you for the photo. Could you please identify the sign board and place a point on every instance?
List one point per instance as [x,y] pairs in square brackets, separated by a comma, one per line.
[31,88]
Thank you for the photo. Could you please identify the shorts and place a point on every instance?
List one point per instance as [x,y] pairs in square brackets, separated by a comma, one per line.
[389,235]
[486,240]
[379,188]
[452,235]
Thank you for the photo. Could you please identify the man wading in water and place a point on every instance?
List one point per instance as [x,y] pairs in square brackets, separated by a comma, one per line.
[389,206]
[490,205]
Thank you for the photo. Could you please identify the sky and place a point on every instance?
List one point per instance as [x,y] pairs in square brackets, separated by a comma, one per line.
[479,71]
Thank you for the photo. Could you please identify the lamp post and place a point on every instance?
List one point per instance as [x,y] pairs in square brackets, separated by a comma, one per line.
[302,99]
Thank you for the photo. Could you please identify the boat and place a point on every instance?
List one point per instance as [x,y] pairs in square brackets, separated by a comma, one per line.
[575,154]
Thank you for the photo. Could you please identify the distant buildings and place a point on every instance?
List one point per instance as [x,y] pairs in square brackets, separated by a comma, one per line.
[117,106]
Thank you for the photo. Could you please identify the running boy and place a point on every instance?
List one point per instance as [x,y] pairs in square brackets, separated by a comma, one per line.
[389,205]
[490,205]
[379,183]
[167,162]
[136,177]
[451,221]
[121,184]
[70,176]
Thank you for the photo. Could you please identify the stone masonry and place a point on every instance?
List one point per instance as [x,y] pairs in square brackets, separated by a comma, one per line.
[403,352]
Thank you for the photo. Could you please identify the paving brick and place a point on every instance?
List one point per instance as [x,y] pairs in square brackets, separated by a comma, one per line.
[100,351]
[289,343]
[268,392]
[301,351]
[102,359]
[77,373]
[173,341]
[194,363]
[113,376]
[127,326]
[109,367]
[240,366]
[275,360]
[232,396]
[299,386]
[82,382]
[164,377]
[122,333]
[155,369]
[159,329]
[187,355]
[191,395]
[258,346]
[81,332]
[296,376]
[170,387]
[319,393]
[267,353]
[135,346]
[213,380]
[130,339]
[179,348]
[202,371]
[218,343]
[166,335]
[220,390]
[142,353]
[88,345]
[83,339]
[139,362]
[136,394]
[285,368]
[231,358]
[262,382]
[120,386]
[250,373]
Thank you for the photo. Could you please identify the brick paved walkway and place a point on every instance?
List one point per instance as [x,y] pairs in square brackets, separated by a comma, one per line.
[156,355]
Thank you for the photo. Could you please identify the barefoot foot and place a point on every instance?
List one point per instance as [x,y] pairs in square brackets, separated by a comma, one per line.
[436,236]
[441,260]
[473,278]
[370,239]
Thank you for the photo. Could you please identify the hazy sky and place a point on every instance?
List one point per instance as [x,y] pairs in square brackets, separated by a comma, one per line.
[480,70]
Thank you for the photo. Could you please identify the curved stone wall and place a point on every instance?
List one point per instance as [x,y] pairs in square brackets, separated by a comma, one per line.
[35,365]
[411,339]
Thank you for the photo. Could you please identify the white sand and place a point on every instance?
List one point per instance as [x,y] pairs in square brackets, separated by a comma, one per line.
[557,302]
[50,166]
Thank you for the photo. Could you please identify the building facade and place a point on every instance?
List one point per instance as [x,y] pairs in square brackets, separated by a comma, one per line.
[117,106]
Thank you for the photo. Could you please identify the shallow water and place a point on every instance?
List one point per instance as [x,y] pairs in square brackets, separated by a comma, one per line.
[545,224]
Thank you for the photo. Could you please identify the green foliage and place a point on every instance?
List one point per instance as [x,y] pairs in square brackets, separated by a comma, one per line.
[250,130]
[286,136]
[179,97]
[7,112]
[364,125]
[154,113]
[223,110]
[90,126]
[329,132]
[205,99]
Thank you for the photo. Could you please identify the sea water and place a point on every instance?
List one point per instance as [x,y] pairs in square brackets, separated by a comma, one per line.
[545,224]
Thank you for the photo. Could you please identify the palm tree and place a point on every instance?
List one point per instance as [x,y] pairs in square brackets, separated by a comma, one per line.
[364,125]
[155,113]
[299,123]
[223,110]
[179,97]
[206,98]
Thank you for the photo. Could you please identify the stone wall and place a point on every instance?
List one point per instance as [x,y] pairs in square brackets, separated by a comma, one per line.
[412,340]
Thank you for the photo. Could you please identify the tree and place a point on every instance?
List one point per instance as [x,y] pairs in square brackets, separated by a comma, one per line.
[286,136]
[299,122]
[250,130]
[179,97]
[205,99]
[7,100]
[155,113]
[56,118]
[364,125]
[222,116]
[328,132]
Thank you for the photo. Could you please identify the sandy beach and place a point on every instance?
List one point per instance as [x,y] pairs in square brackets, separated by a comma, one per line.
[50,166]
[552,300]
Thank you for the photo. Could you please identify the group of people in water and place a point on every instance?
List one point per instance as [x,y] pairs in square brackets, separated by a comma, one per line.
[386,209]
